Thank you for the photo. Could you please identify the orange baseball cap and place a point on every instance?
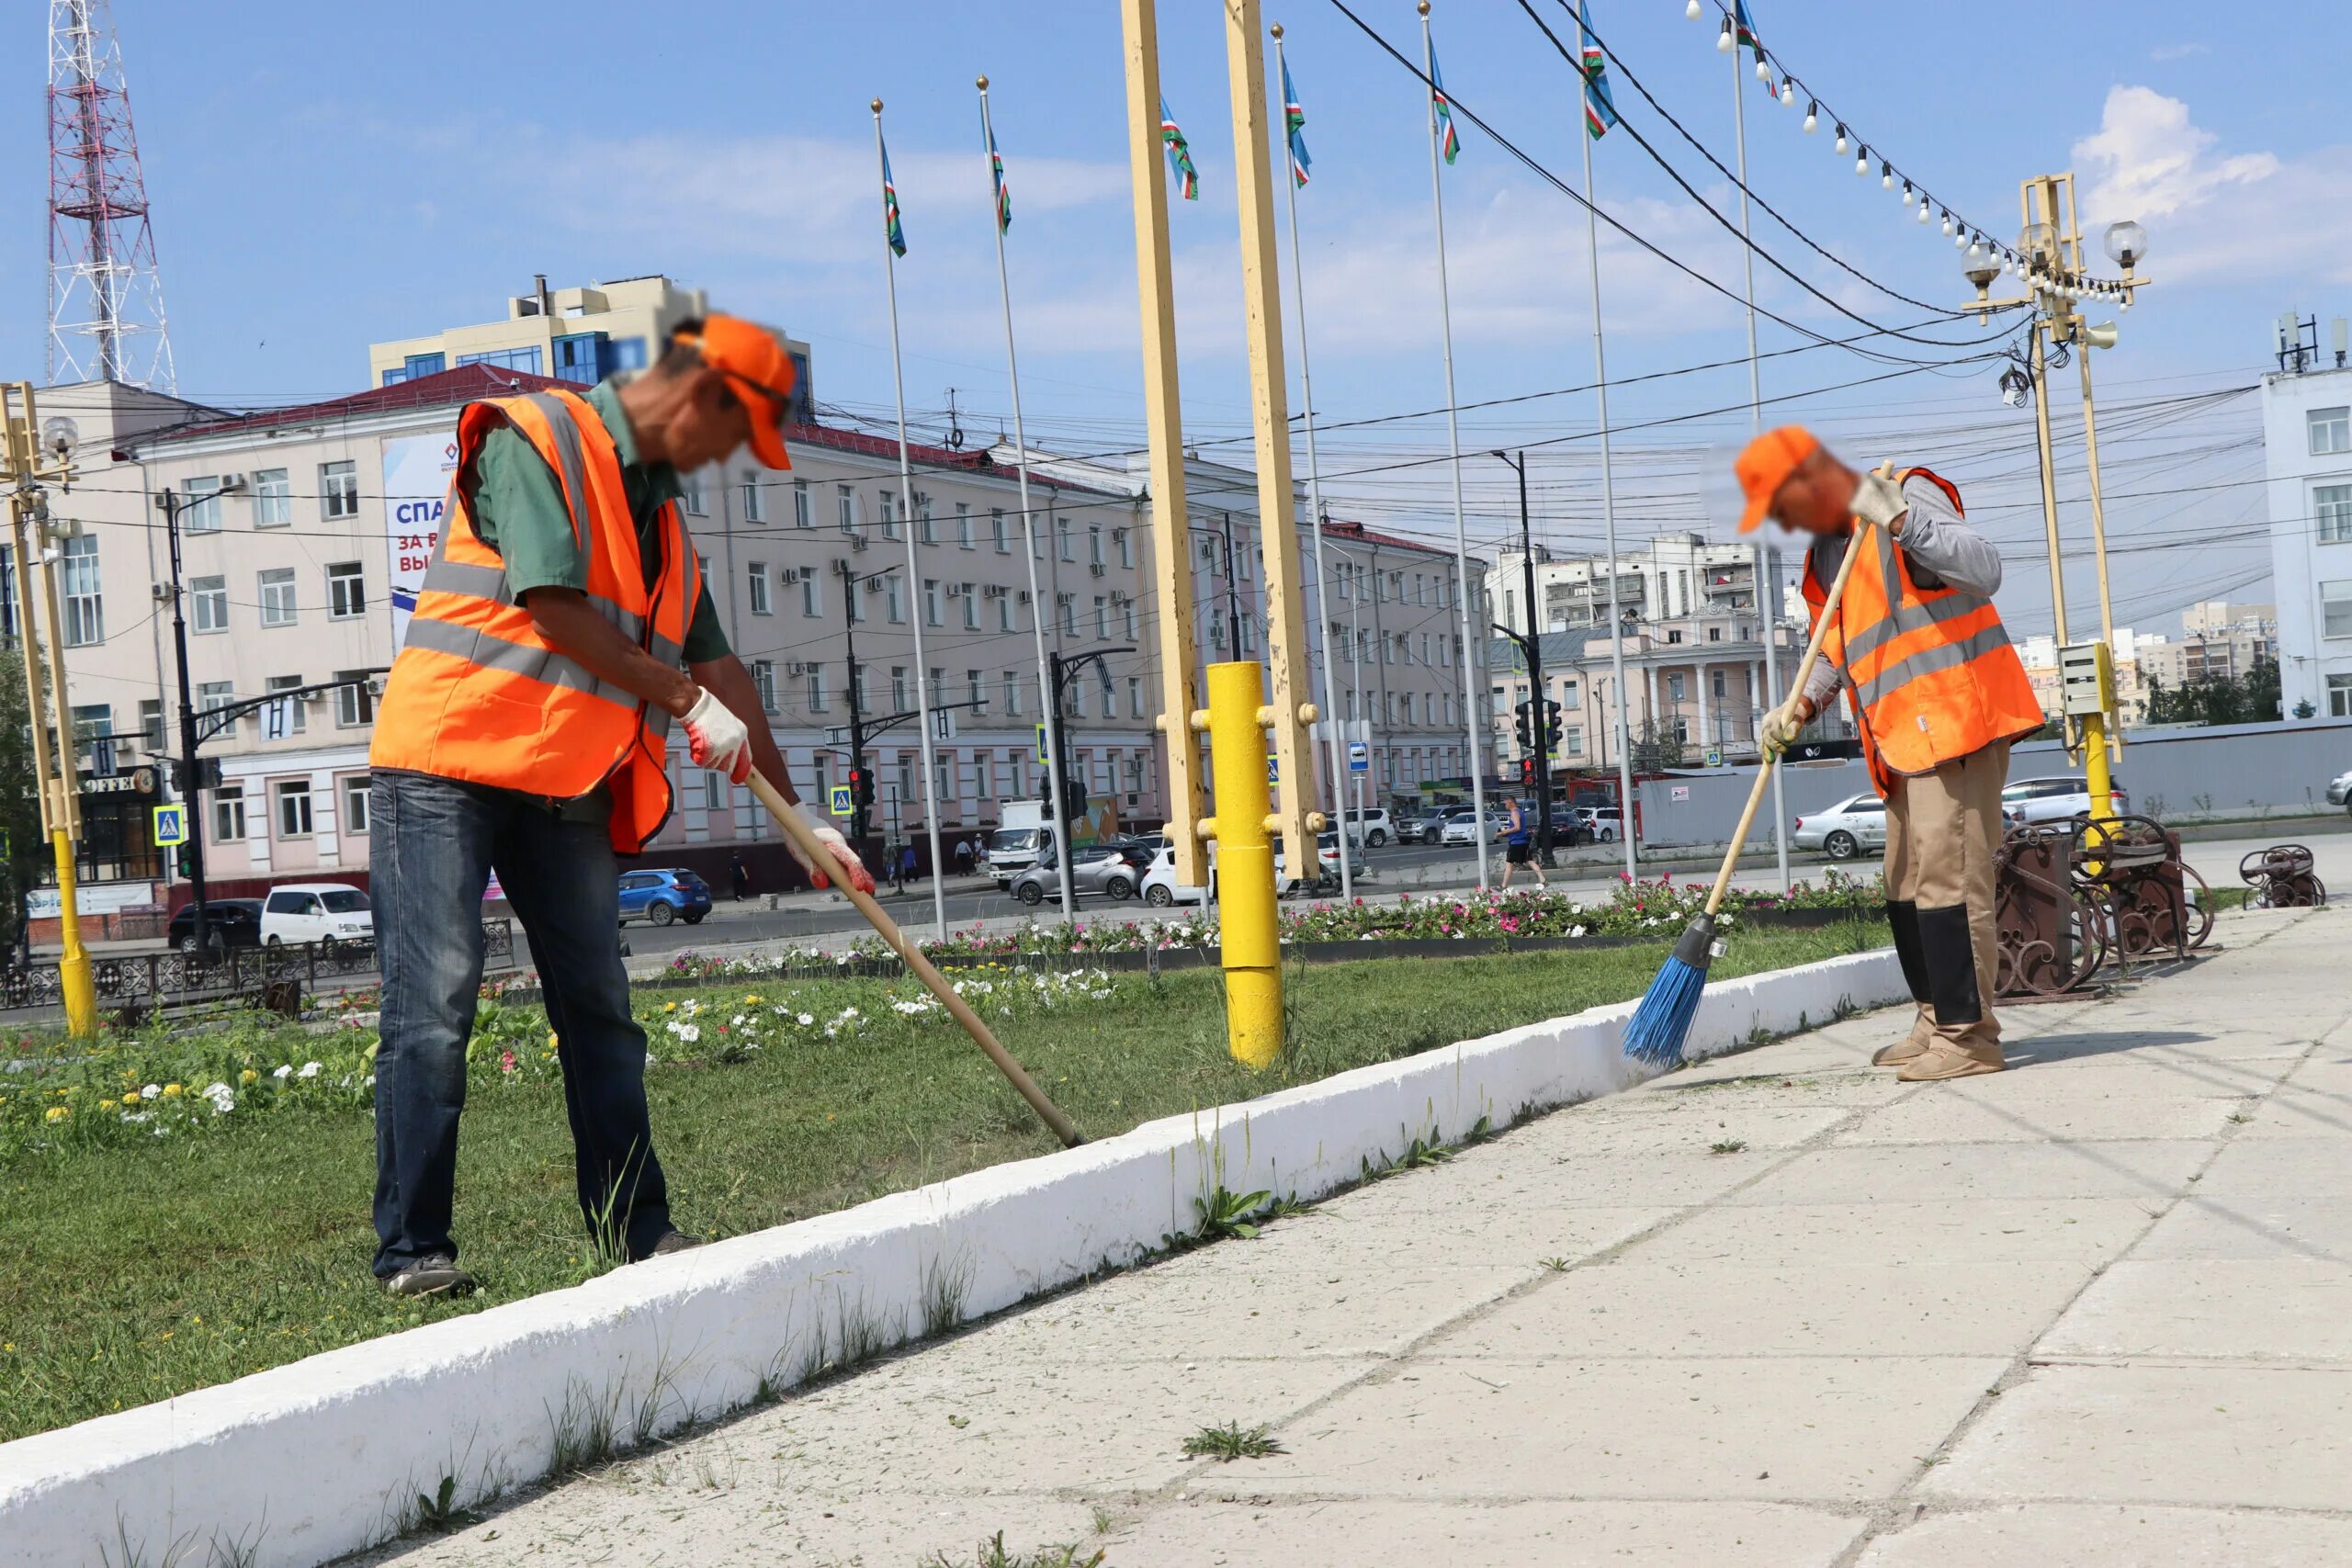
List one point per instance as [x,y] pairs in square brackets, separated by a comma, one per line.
[1765,465]
[760,372]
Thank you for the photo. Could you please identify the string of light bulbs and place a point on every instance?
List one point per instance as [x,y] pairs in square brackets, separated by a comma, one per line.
[2039,271]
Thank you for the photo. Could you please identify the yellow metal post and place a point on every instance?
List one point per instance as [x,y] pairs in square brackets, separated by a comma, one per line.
[1171,563]
[1252,934]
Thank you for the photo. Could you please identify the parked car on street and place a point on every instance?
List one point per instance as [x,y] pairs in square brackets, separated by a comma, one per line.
[2339,790]
[1371,827]
[1422,827]
[1461,825]
[233,922]
[316,911]
[2054,799]
[1856,825]
[1136,853]
[662,897]
[1160,887]
[1603,824]
[1093,868]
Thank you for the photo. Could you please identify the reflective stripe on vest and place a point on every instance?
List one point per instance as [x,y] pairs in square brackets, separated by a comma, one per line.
[541,664]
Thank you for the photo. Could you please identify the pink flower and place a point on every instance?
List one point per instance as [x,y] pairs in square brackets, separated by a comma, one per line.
[506,1063]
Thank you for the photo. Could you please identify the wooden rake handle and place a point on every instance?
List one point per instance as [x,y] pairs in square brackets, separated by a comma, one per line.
[1804,672]
[815,853]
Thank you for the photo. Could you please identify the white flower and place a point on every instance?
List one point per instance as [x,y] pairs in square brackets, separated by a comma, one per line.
[310,1070]
[806,1019]
[283,1072]
[1575,931]
[151,1091]
[223,1098]
[689,1032]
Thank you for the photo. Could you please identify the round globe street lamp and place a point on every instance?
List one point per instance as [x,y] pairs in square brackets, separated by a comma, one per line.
[2127,242]
[1980,267]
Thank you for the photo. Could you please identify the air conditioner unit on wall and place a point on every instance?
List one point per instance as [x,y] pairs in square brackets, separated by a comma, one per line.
[857,542]
[957,590]
[1025,596]
[798,671]
[1097,568]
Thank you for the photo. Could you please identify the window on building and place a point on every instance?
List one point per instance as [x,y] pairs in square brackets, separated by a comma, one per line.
[930,612]
[1125,545]
[1715,683]
[339,489]
[812,591]
[293,808]
[763,681]
[755,497]
[2335,608]
[938,685]
[757,582]
[1061,533]
[228,814]
[347,591]
[803,510]
[1005,620]
[273,498]
[692,496]
[210,695]
[1135,696]
[1674,688]
[976,687]
[1714,634]
[894,602]
[1094,556]
[924,531]
[971,609]
[277,596]
[2331,431]
[2339,696]
[893,514]
[86,621]
[816,688]
[352,705]
[1127,614]
[845,508]
[1066,608]
[714,792]
[1102,618]
[285,716]
[998,536]
[2332,507]
[963,525]
[209,601]
[354,806]
[1572,737]
[898,688]
[200,505]
[150,723]
[1012,693]
[524,359]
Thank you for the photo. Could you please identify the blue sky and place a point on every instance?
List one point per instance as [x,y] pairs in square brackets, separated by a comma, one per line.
[325,175]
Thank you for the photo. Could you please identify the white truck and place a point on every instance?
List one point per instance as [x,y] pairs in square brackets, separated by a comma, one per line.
[1023,835]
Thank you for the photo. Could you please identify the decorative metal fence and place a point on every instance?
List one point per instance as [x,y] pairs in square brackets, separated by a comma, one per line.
[163,979]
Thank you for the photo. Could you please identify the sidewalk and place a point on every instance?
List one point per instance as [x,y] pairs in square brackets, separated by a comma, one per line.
[1779,1310]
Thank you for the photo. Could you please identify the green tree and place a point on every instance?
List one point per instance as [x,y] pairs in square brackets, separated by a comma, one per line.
[2261,692]
[25,854]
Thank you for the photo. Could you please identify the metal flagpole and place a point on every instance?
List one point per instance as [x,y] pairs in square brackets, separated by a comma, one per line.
[1335,750]
[1473,710]
[1768,563]
[914,571]
[1048,698]
[1608,507]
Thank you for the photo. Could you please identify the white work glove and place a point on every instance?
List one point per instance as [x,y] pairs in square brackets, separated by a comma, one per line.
[1878,499]
[717,739]
[847,867]
[1783,726]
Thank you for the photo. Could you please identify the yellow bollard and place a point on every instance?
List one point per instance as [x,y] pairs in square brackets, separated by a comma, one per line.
[74,982]
[1252,949]
[2098,778]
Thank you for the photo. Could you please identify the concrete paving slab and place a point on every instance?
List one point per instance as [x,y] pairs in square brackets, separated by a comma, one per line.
[2298,1111]
[1336,1239]
[2226,1437]
[1643,1308]
[1315,1533]
[2016,1118]
[2153,1169]
[1892,1233]
[1762,1081]
[2092,1536]
[1690,1126]
[2297,1168]
[2267,1309]
[1822,1430]
[2252,1226]
[1573,1180]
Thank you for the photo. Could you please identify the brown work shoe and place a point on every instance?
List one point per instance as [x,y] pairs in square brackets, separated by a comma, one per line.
[1942,1062]
[1895,1056]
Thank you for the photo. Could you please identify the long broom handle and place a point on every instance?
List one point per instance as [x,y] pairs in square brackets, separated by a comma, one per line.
[1805,670]
[817,855]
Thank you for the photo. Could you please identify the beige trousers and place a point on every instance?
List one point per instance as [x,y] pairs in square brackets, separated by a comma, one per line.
[1943,831]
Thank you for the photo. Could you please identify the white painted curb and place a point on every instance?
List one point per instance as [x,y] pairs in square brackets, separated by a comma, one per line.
[322,1456]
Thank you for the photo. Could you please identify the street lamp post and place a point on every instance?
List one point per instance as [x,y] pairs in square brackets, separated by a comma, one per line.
[1539,714]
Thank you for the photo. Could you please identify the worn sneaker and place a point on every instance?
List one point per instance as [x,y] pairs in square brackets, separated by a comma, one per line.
[672,1242]
[437,1275]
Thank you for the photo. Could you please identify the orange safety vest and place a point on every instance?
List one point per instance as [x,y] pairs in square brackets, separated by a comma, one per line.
[1931,673]
[476,693]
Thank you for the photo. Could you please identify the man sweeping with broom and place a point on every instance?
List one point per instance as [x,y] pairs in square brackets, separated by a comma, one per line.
[1900,594]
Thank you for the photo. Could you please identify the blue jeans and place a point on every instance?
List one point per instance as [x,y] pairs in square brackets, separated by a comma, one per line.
[433,844]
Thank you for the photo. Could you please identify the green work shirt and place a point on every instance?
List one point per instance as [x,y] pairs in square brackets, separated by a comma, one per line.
[516,506]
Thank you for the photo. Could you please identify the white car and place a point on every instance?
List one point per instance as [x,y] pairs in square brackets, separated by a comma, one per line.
[1603,823]
[316,911]
[1461,825]
[1371,829]
[1162,889]
[1856,825]
[2339,790]
[2056,799]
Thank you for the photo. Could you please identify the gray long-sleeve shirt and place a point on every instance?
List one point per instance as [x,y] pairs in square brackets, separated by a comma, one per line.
[1941,552]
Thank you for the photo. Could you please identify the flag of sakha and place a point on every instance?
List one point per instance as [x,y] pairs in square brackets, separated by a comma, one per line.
[1295,127]
[1003,190]
[1451,142]
[1179,156]
[891,229]
[1599,112]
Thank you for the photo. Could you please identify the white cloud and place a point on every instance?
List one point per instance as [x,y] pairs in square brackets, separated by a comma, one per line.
[2241,215]
[2171,52]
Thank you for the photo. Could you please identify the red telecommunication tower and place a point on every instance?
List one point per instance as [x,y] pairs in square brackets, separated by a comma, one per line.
[105,299]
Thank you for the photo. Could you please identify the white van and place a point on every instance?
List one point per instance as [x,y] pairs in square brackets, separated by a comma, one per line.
[316,911]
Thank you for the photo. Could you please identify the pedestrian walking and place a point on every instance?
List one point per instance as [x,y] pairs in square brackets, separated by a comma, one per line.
[1939,694]
[907,865]
[963,857]
[740,874]
[894,860]
[525,725]
[1518,843]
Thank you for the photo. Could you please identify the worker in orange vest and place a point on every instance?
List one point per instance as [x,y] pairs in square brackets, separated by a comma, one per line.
[561,627]
[1939,694]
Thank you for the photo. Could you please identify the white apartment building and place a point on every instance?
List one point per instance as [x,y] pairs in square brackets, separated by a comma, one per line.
[1674,577]
[2307,463]
[299,525]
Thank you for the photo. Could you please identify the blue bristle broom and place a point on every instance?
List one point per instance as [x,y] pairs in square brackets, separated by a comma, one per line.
[1659,1027]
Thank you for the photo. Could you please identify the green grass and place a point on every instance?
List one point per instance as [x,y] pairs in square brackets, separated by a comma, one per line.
[134,1267]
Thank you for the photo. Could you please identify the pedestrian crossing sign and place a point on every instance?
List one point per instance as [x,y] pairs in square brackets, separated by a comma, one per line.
[171,824]
[843,800]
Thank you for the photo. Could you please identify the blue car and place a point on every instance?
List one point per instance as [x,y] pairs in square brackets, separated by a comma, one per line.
[664,896]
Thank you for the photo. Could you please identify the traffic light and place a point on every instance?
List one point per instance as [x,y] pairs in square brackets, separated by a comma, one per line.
[860,787]
[1552,727]
[1527,771]
[1526,735]
[188,862]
